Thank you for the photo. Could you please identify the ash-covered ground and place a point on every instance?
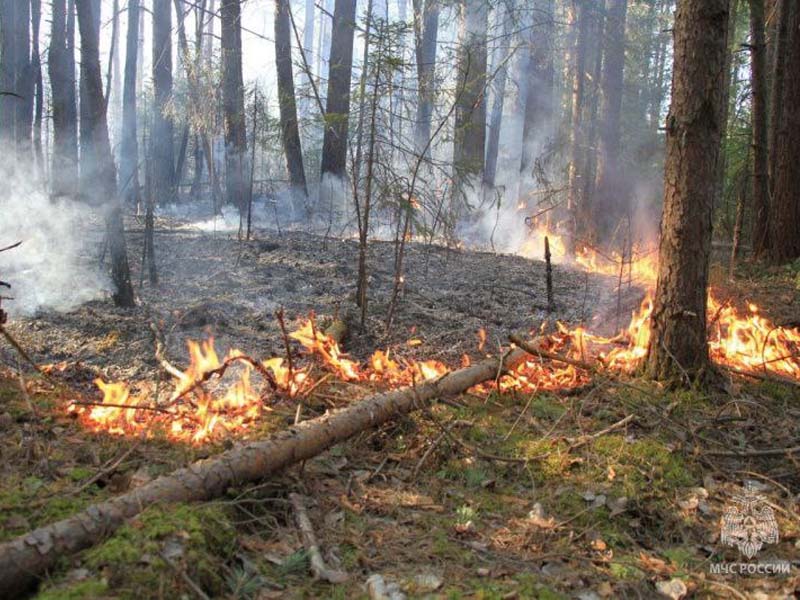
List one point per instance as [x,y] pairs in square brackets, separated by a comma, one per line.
[210,283]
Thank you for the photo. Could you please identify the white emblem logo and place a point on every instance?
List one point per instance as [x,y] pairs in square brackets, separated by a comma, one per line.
[748,523]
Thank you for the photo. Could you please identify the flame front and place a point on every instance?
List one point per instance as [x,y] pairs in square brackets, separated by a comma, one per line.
[742,340]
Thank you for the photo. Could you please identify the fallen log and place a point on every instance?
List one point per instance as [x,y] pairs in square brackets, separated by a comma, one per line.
[24,559]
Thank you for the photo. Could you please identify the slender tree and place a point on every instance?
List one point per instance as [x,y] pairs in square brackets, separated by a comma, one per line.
[576,203]
[129,149]
[610,203]
[85,147]
[678,343]
[538,85]
[286,98]
[426,28]
[785,210]
[61,68]
[337,108]
[500,70]
[36,70]
[469,136]
[758,85]
[161,139]
[233,105]
[101,170]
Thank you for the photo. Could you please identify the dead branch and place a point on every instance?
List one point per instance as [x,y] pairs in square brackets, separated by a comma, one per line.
[318,566]
[538,352]
[25,558]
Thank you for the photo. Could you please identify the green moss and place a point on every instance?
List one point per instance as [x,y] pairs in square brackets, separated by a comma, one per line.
[549,459]
[643,468]
[81,590]
[132,557]
[547,407]
[625,571]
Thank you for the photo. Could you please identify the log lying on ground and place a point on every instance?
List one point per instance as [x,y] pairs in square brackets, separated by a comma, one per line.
[25,558]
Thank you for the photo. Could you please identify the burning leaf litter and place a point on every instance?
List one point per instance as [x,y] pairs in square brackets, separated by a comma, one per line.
[194,414]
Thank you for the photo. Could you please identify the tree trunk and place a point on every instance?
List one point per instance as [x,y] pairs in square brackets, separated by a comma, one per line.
[337,108]
[61,68]
[778,65]
[25,558]
[101,170]
[538,123]
[161,138]
[308,49]
[758,84]
[575,199]
[500,70]
[286,99]
[678,345]
[611,203]
[785,215]
[426,71]
[24,85]
[233,106]
[36,69]
[86,159]
[129,149]
[469,136]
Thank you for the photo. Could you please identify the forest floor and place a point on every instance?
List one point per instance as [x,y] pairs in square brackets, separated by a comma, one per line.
[570,504]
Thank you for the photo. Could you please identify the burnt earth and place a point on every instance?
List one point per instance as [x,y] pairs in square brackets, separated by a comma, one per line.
[214,284]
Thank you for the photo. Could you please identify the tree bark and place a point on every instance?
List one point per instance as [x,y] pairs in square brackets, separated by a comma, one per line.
[778,66]
[233,106]
[100,171]
[161,138]
[24,558]
[785,214]
[36,70]
[61,68]
[678,344]
[290,133]
[86,147]
[337,107]
[469,136]
[611,203]
[129,149]
[575,200]
[538,117]
[758,85]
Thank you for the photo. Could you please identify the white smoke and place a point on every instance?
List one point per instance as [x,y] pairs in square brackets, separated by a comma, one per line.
[56,267]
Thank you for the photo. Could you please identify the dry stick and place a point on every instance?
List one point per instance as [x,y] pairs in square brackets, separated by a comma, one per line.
[24,558]
[158,338]
[23,353]
[318,566]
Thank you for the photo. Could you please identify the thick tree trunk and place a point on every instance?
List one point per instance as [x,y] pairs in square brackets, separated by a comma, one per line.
[86,148]
[161,138]
[778,66]
[469,136]
[24,558]
[290,133]
[610,204]
[101,170]
[425,45]
[16,111]
[785,214]
[129,149]
[236,170]
[758,85]
[576,203]
[538,122]
[337,109]
[678,344]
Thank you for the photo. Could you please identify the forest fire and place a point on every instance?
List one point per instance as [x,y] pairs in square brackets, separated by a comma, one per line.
[194,414]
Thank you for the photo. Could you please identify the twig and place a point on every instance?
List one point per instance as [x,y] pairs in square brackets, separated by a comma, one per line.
[158,338]
[23,353]
[763,452]
[319,569]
